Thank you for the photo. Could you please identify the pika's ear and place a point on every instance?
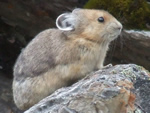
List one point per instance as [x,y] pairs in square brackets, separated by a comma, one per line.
[65,22]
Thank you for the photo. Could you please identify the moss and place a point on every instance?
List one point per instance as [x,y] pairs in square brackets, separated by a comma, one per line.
[132,13]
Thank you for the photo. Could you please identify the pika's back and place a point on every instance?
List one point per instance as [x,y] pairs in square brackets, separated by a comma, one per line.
[39,55]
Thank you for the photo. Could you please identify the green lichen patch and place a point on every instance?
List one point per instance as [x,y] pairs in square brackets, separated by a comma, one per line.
[132,13]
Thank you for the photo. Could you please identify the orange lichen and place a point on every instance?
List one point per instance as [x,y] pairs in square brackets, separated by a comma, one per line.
[126,84]
[131,100]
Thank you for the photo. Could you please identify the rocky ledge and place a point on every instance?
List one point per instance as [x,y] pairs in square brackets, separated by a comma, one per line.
[115,89]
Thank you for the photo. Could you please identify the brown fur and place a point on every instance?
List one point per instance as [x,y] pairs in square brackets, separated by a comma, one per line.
[54,57]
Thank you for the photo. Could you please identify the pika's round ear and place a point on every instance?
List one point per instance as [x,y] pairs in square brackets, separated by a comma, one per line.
[65,22]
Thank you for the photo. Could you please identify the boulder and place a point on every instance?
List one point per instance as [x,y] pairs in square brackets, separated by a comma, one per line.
[116,89]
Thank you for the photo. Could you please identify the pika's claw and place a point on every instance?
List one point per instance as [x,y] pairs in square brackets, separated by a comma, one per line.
[107,66]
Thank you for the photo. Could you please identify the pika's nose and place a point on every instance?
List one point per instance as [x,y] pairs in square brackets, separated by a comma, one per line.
[120,29]
[119,26]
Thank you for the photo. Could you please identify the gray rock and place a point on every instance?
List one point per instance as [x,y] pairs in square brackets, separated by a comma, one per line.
[6,99]
[118,89]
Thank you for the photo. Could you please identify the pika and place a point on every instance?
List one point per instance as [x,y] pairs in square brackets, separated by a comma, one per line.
[57,56]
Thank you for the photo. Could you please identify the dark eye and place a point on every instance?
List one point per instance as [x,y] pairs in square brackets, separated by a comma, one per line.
[101,19]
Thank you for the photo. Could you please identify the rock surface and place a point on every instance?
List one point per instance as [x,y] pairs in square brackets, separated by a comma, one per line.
[131,47]
[6,99]
[117,89]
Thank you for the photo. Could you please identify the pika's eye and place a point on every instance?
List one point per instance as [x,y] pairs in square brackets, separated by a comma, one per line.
[101,19]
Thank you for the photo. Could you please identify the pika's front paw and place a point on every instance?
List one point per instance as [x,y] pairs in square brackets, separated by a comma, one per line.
[107,66]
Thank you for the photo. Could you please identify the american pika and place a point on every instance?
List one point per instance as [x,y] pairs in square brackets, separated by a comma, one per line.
[57,56]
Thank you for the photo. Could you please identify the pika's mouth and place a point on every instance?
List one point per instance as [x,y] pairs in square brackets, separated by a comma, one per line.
[114,30]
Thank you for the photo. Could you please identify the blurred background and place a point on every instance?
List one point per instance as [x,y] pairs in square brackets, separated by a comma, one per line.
[21,20]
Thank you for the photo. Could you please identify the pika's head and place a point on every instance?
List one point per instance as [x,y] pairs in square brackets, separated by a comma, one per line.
[96,25]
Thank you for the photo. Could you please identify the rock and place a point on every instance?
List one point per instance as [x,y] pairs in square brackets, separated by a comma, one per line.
[139,34]
[6,99]
[118,89]
[131,47]
[30,17]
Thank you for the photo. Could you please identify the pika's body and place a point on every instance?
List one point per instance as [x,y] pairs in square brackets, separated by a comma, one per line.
[57,56]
